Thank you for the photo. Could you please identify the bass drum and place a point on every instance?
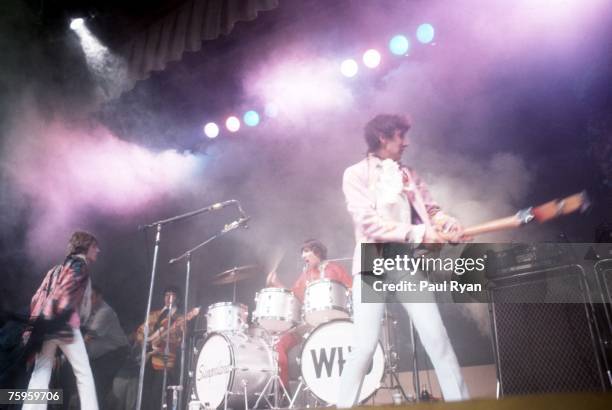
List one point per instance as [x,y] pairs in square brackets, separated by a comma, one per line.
[229,362]
[323,358]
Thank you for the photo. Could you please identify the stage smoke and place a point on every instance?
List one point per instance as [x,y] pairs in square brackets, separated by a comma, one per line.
[300,87]
[71,175]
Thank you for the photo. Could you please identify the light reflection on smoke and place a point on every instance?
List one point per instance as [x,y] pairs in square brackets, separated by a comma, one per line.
[68,171]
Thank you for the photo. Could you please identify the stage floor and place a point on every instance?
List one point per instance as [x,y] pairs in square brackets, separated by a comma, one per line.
[574,401]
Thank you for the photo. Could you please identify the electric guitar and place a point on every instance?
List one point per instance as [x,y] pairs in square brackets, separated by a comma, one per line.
[156,343]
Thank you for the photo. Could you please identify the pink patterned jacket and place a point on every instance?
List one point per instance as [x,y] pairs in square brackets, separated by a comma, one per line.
[65,287]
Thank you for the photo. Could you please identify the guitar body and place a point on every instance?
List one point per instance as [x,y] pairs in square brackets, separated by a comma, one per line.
[164,342]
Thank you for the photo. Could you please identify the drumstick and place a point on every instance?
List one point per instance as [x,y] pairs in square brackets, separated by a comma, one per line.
[276,258]
[542,213]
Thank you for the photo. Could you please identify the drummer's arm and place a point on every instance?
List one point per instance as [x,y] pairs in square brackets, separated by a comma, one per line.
[272,281]
[299,287]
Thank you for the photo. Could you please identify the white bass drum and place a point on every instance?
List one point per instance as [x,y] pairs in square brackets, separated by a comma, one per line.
[228,362]
[323,358]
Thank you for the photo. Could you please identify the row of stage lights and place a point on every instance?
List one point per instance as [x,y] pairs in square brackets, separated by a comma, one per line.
[398,45]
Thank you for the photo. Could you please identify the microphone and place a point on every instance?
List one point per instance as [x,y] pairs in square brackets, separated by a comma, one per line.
[242,222]
[221,205]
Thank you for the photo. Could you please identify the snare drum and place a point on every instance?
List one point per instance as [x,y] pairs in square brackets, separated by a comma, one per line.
[227,317]
[325,300]
[276,309]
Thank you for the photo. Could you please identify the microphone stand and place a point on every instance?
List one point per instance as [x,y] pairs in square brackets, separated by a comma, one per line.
[187,256]
[164,405]
[158,227]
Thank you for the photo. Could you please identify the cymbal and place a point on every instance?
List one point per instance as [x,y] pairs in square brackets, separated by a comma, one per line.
[235,274]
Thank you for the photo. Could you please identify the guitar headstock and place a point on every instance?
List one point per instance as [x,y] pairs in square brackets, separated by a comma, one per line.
[550,210]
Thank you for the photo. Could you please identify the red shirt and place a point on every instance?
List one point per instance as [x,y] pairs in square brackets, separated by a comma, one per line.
[332,271]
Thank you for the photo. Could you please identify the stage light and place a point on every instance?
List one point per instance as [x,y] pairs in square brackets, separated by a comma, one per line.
[371,58]
[349,68]
[232,124]
[108,69]
[271,110]
[251,118]
[425,33]
[77,23]
[211,130]
[399,45]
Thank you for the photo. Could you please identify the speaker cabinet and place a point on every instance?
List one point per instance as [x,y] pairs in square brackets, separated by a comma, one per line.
[546,346]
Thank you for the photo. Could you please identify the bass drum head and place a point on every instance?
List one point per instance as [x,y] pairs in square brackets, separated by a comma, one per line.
[214,371]
[324,356]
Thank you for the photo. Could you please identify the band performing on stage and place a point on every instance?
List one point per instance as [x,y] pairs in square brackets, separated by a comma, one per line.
[273,204]
[345,344]
[245,363]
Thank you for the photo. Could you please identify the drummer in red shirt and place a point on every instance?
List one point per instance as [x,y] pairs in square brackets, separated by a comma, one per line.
[314,254]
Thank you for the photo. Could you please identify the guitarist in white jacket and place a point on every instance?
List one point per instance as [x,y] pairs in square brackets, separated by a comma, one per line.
[389,203]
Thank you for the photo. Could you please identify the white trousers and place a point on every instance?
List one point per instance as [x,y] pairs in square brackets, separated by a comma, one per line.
[428,323]
[77,356]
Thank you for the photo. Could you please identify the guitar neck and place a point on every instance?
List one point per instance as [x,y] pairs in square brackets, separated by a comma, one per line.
[497,225]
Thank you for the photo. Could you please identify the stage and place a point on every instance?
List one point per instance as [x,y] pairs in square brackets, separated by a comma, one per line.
[595,401]
[214,194]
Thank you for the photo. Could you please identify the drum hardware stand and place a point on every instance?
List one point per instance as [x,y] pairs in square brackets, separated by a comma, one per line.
[244,394]
[187,256]
[299,391]
[191,370]
[392,358]
[158,227]
[175,394]
[416,380]
[274,381]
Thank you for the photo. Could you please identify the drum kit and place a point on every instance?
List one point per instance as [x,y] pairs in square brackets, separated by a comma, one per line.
[236,366]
